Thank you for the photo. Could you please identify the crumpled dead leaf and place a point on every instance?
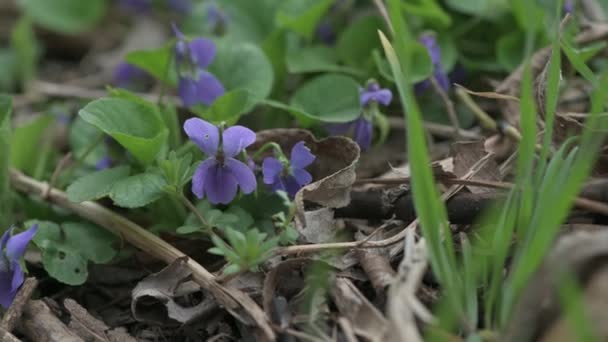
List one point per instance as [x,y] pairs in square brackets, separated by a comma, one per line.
[333,170]
[537,314]
[467,154]
[366,320]
[154,297]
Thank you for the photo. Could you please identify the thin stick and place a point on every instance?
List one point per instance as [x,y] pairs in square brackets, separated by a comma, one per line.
[16,309]
[437,129]
[232,299]
[580,202]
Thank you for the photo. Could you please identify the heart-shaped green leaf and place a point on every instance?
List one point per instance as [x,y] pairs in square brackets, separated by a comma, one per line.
[135,125]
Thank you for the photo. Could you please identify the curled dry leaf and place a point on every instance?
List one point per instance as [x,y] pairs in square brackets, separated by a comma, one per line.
[366,320]
[467,154]
[537,315]
[154,298]
[333,170]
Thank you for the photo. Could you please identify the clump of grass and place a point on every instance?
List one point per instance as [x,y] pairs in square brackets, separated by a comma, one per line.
[546,185]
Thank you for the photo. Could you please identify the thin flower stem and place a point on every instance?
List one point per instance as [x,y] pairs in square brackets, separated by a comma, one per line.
[449,106]
[487,121]
[277,149]
[193,209]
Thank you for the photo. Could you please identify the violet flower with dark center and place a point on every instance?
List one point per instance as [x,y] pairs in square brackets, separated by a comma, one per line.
[11,273]
[361,129]
[136,6]
[129,76]
[220,175]
[325,32]
[195,84]
[289,176]
[103,163]
[180,6]
[217,19]
[430,43]
[568,6]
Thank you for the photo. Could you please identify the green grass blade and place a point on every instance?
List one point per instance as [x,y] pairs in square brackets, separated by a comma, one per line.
[5,148]
[430,209]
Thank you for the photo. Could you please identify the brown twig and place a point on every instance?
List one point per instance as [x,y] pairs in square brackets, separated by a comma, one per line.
[437,129]
[232,299]
[16,309]
[581,202]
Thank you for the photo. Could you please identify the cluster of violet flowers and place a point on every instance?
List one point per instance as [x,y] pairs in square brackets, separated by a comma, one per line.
[221,174]
[195,84]
[12,248]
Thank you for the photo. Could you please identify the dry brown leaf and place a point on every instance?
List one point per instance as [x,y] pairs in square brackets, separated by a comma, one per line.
[154,298]
[465,155]
[365,319]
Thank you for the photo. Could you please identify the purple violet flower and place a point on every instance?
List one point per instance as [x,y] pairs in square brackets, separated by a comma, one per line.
[11,273]
[196,85]
[289,176]
[325,32]
[362,128]
[568,6]
[220,175]
[180,6]
[104,163]
[217,20]
[136,6]
[128,76]
[430,43]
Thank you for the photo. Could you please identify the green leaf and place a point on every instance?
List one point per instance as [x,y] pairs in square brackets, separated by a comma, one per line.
[243,66]
[328,98]
[26,141]
[250,21]
[510,50]
[66,16]
[138,190]
[5,148]
[356,43]
[429,10]
[488,9]
[316,59]
[66,249]
[23,41]
[81,136]
[157,62]
[228,107]
[137,127]
[96,185]
[429,207]
[301,16]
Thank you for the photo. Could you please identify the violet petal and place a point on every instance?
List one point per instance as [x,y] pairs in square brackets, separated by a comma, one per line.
[271,169]
[301,156]
[16,245]
[200,175]
[202,51]
[363,133]
[6,293]
[302,176]
[236,139]
[204,134]
[243,175]
[220,185]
